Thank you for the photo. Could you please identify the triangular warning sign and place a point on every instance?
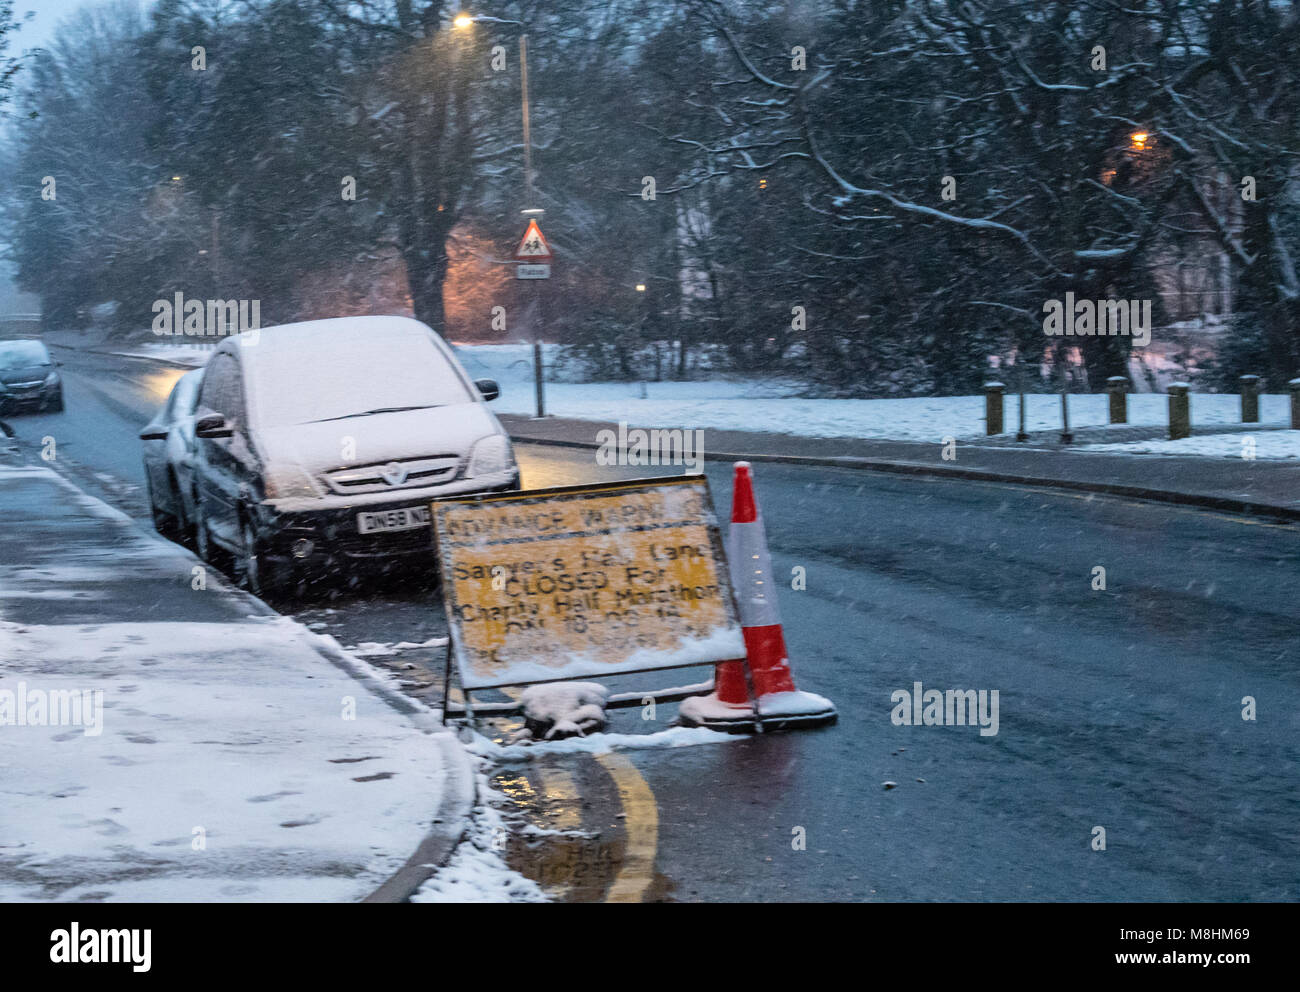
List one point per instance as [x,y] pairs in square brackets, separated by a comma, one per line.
[533,246]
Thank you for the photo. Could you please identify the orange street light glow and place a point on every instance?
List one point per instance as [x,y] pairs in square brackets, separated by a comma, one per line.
[463,20]
[1139,139]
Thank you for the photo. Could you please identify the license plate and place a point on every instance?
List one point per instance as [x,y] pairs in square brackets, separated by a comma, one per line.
[405,519]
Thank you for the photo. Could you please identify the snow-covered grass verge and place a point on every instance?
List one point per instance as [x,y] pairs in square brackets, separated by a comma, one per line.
[768,405]
[163,350]
[1267,445]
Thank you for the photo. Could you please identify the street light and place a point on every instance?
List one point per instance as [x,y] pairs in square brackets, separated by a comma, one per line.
[467,20]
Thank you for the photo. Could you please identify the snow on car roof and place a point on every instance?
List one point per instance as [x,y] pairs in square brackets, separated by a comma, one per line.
[345,366]
[311,336]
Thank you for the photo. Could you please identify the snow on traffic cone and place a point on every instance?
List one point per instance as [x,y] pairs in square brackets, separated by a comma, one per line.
[780,704]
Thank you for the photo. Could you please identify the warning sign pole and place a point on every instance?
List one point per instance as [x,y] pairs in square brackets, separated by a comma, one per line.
[534,258]
[537,366]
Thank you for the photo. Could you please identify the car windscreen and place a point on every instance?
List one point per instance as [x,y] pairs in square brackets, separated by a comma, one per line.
[365,375]
[16,354]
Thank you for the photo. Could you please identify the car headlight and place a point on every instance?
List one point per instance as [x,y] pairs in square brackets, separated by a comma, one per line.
[52,379]
[491,456]
[288,482]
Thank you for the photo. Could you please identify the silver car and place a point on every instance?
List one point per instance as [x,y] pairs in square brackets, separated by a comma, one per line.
[320,445]
[168,442]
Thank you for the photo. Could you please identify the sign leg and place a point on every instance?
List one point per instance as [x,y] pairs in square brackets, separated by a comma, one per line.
[446,682]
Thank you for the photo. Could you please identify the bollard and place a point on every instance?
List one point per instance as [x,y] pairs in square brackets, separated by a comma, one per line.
[993,407]
[1117,386]
[1249,399]
[1295,404]
[1180,411]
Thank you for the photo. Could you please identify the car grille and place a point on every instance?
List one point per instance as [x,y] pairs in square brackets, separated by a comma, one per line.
[430,471]
[384,545]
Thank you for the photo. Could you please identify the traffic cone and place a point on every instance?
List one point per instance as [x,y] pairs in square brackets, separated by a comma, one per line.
[780,704]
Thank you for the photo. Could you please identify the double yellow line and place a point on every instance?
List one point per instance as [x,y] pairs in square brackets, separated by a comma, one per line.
[640,824]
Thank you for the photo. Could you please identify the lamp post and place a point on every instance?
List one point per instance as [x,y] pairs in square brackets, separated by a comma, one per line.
[466,21]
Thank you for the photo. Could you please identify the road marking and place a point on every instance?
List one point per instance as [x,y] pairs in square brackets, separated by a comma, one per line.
[642,827]
[560,793]
[559,787]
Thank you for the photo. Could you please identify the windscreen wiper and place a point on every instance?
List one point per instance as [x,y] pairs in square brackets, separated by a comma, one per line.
[382,409]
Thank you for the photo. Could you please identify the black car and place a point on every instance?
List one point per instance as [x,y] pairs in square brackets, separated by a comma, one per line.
[29,378]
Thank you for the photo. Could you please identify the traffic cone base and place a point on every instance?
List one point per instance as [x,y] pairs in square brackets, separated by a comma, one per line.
[778,711]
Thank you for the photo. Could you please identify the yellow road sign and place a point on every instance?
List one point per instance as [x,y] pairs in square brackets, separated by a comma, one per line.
[585,581]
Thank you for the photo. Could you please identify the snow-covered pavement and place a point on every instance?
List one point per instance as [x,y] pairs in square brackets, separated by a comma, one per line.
[163,737]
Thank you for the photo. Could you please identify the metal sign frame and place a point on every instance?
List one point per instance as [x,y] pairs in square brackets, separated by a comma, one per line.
[455,648]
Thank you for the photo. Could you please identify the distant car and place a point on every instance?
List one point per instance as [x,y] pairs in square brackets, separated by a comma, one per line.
[320,445]
[29,377]
[168,443]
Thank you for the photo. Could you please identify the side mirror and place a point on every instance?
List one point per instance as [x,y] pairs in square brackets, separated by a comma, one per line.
[488,388]
[59,364]
[213,425]
[153,434]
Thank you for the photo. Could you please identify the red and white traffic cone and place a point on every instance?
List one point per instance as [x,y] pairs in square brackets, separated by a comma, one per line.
[780,704]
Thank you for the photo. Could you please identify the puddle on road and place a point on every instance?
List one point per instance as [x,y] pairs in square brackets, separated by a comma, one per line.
[572,862]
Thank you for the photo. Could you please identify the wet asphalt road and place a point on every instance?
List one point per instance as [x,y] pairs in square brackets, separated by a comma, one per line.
[1119,709]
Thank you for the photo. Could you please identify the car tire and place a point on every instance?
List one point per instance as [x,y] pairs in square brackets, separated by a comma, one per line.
[208,549]
[262,576]
[57,405]
[164,523]
[184,526]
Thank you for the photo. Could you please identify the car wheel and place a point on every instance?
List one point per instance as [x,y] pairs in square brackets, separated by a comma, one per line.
[57,405]
[260,575]
[184,526]
[207,548]
[164,523]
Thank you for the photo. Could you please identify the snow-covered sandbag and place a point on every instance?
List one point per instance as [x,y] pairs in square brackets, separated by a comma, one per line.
[563,709]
